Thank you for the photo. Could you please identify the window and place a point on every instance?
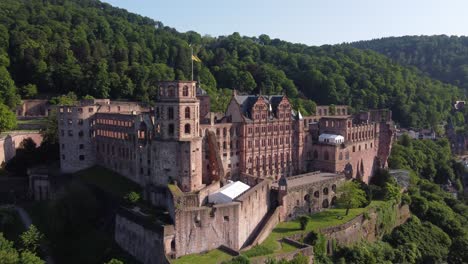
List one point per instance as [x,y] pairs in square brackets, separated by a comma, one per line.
[80,122]
[341,156]
[157,112]
[185,91]
[81,146]
[80,134]
[63,157]
[170,91]
[354,148]
[187,129]
[170,130]
[170,113]
[187,112]
[326,156]
[226,218]
[70,133]
[81,157]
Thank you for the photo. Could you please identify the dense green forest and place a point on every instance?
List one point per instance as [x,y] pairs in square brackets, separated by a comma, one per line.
[437,231]
[53,47]
[442,57]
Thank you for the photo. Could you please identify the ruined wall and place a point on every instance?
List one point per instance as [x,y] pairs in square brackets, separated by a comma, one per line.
[309,198]
[255,204]
[200,229]
[77,152]
[361,228]
[33,108]
[144,244]
[10,143]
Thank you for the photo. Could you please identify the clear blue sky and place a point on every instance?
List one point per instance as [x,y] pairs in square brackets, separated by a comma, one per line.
[313,22]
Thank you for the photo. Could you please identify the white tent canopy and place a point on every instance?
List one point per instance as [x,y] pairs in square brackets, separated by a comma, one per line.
[330,138]
[228,193]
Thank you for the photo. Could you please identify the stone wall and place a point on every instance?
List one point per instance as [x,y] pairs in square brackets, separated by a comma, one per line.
[361,228]
[144,244]
[11,142]
[266,229]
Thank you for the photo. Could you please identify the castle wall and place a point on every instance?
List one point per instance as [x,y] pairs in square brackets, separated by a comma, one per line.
[11,142]
[255,204]
[200,229]
[146,245]
[77,151]
[310,198]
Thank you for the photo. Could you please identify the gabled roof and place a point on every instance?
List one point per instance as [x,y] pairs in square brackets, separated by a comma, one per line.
[247,101]
[228,192]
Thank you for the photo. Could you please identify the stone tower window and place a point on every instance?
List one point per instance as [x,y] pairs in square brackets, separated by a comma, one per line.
[185,91]
[170,130]
[187,111]
[170,113]
[170,91]
[187,129]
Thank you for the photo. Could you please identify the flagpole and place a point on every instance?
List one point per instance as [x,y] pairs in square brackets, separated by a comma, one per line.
[191,58]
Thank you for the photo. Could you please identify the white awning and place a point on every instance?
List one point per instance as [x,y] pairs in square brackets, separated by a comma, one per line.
[330,138]
[228,192]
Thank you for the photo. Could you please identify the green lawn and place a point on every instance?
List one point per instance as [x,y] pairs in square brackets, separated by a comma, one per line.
[212,257]
[36,121]
[108,181]
[328,218]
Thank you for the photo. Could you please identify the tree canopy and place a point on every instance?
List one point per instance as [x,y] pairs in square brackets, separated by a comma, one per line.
[91,48]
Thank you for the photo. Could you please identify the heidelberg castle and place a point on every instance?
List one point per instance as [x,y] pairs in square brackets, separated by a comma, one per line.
[261,156]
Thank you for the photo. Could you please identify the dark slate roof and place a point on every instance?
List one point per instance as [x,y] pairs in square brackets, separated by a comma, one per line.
[247,101]
[200,91]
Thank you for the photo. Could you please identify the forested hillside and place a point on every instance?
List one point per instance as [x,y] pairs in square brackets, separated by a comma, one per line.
[441,57]
[53,47]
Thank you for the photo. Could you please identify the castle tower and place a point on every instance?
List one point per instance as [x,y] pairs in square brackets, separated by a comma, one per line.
[179,145]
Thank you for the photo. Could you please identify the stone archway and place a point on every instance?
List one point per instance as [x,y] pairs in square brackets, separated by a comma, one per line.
[325,203]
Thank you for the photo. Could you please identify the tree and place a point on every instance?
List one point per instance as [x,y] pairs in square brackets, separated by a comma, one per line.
[132,197]
[392,193]
[10,255]
[28,91]
[350,196]
[31,238]
[303,220]
[458,252]
[7,118]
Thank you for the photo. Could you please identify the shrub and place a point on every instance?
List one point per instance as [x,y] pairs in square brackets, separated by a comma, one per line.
[303,220]
[132,197]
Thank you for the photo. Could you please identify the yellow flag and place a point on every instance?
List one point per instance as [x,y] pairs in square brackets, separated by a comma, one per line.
[195,58]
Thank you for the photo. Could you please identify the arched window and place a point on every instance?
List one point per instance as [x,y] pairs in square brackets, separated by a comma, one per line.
[170,91]
[185,91]
[325,191]
[187,112]
[326,156]
[170,129]
[187,129]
